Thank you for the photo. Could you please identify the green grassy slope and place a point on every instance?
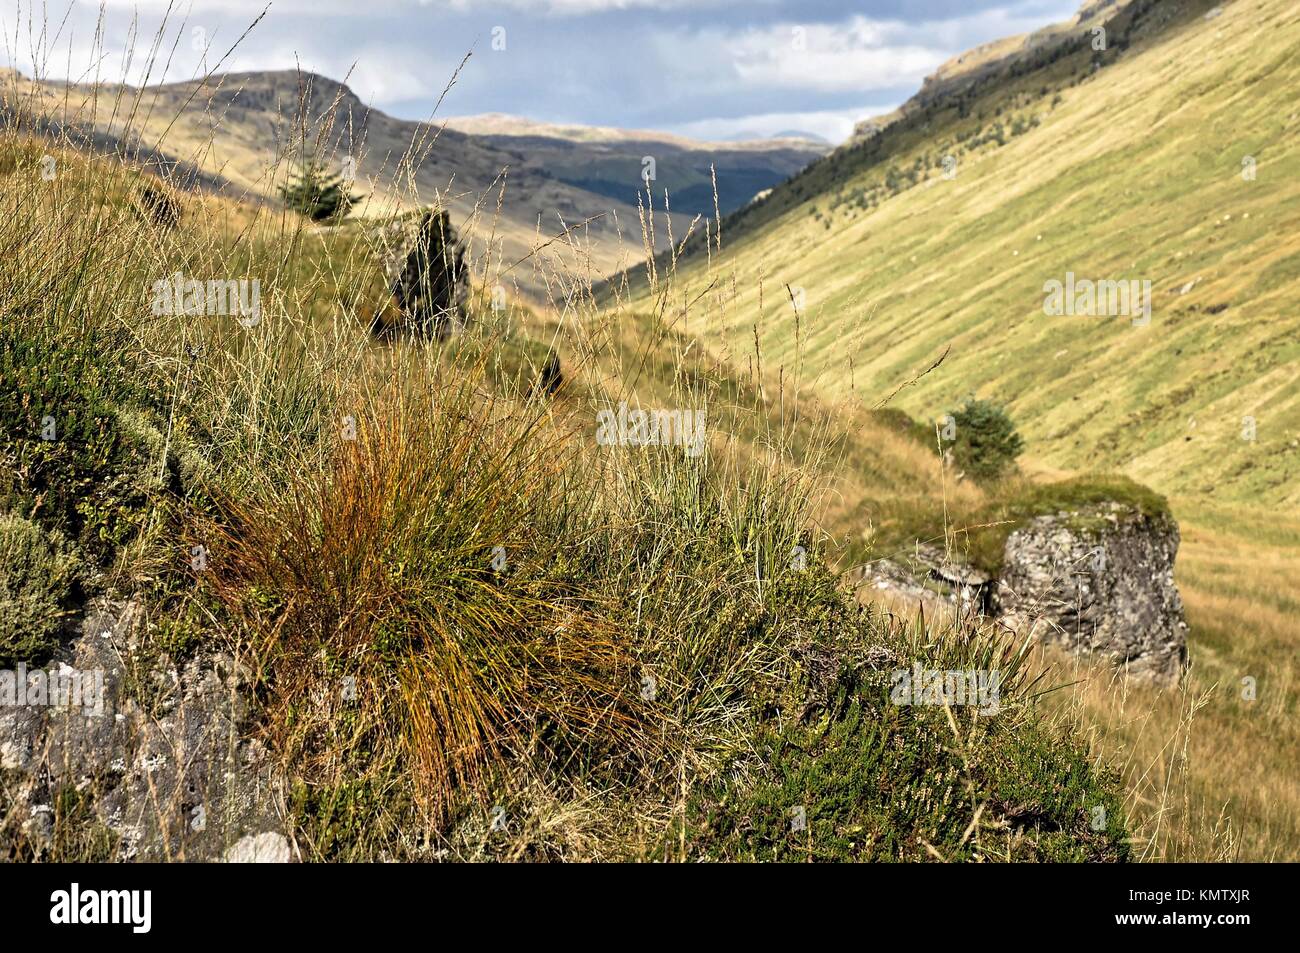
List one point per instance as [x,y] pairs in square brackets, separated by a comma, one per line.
[1113,165]
[1128,170]
[614,647]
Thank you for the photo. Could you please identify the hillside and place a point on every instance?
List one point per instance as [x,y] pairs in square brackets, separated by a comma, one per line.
[410,588]
[510,193]
[1131,168]
[1118,164]
[388,600]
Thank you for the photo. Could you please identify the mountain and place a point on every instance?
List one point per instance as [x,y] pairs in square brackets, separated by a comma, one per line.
[609,161]
[801,135]
[512,185]
[798,135]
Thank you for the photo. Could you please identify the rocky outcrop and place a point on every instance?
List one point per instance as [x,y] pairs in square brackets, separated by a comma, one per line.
[153,764]
[1101,582]
[159,207]
[928,578]
[1095,581]
[424,267]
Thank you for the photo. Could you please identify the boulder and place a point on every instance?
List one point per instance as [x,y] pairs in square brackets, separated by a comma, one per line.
[265,848]
[551,377]
[930,579]
[424,266]
[1099,581]
[159,207]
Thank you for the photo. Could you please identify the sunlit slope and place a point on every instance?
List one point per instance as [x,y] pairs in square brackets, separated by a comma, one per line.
[1133,170]
[248,130]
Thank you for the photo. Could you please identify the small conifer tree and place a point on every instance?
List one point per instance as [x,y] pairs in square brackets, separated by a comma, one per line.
[317,194]
[986,442]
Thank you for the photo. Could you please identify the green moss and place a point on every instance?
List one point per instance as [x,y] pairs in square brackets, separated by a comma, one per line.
[980,536]
[1091,490]
[1078,498]
[69,462]
[37,578]
[359,819]
[178,637]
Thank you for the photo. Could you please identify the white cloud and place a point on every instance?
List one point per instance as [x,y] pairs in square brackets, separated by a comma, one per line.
[834,125]
[575,7]
[378,70]
[580,60]
[859,54]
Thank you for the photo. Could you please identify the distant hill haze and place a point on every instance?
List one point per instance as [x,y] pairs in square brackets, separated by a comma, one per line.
[511,184]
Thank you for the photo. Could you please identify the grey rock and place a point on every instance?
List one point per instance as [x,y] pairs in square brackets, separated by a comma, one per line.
[265,848]
[1097,581]
[866,129]
[424,267]
[1100,581]
[931,580]
[166,766]
[40,824]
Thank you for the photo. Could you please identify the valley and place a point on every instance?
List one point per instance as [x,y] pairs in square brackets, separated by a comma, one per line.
[1171,159]
[600,557]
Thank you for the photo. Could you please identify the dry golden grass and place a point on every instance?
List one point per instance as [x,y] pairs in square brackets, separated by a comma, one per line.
[372,560]
[420,563]
[1211,772]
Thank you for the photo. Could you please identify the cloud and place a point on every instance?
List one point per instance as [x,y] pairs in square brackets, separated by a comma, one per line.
[683,65]
[859,54]
[573,8]
[834,125]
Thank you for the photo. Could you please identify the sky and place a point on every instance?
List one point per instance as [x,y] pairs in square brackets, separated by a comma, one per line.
[710,69]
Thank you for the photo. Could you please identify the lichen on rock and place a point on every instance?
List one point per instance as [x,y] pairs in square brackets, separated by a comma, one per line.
[1095,579]
[1100,581]
[177,779]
